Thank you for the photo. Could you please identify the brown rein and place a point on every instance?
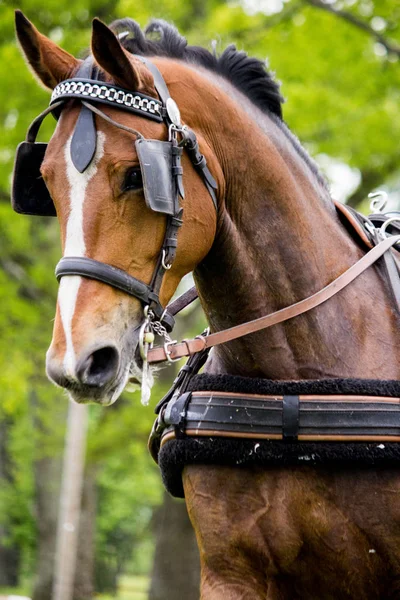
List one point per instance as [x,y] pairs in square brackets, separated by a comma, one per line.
[174,351]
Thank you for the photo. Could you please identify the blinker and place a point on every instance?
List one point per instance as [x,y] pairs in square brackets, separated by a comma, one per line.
[29,194]
[155,160]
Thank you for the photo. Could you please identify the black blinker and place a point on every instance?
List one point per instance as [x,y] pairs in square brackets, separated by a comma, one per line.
[29,194]
[155,159]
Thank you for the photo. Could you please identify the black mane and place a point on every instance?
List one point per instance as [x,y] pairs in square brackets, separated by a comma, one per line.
[248,74]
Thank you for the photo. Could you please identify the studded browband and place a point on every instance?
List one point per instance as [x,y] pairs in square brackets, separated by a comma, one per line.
[104,93]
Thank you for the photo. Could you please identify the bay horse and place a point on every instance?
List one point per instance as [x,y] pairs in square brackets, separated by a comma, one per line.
[275,238]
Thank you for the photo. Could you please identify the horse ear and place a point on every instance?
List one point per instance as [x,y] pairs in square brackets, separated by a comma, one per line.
[111,57]
[49,62]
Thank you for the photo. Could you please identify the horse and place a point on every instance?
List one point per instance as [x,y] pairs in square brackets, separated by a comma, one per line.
[272,238]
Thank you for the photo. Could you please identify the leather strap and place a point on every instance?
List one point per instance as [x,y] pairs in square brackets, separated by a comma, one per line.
[182,301]
[159,82]
[189,347]
[93,269]
[312,417]
[290,418]
[34,127]
[84,139]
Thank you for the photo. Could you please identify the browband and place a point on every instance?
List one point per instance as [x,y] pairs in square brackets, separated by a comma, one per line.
[104,93]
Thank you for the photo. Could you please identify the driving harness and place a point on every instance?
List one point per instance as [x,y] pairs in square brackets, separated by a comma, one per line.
[349,411]
[184,413]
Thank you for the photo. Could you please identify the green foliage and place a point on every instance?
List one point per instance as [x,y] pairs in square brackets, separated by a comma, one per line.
[343,92]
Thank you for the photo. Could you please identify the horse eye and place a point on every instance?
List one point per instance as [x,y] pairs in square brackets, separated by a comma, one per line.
[133,179]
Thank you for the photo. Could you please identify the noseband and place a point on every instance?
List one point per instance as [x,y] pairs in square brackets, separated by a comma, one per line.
[160,163]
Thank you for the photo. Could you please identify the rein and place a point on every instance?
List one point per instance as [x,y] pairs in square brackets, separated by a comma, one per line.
[172,351]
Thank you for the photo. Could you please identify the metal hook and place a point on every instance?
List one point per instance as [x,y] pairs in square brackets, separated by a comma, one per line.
[378,201]
[165,265]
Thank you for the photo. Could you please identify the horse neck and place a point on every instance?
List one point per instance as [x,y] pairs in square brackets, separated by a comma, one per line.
[279,240]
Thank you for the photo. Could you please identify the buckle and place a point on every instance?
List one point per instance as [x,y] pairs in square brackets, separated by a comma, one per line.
[168,351]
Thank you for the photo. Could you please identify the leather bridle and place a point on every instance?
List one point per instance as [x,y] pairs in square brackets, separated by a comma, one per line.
[160,163]
[147,294]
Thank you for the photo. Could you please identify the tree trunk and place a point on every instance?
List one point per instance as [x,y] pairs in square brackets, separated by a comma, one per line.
[84,572]
[176,567]
[9,554]
[47,482]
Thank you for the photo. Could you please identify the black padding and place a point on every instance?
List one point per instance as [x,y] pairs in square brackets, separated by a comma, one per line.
[290,417]
[155,159]
[84,140]
[252,385]
[270,454]
[29,194]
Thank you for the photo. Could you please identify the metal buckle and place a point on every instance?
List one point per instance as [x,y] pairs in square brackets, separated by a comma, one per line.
[168,352]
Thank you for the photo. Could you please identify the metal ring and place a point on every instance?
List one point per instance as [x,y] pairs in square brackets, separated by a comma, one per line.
[164,264]
[386,223]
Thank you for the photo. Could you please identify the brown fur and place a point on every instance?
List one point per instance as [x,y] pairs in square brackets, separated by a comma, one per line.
[301,533]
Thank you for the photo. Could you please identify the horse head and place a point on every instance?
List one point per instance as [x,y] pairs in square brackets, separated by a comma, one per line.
[93,171]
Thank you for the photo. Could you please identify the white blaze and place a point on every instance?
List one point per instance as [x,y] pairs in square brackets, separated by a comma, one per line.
[75,244]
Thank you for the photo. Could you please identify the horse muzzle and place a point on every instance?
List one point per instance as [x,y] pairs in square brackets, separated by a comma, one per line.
[98,373]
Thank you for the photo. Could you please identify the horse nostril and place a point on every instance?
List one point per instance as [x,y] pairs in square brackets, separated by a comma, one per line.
[99,367]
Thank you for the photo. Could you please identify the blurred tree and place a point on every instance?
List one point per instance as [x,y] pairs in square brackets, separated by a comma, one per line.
[340,70]
[10,554]
[176,572]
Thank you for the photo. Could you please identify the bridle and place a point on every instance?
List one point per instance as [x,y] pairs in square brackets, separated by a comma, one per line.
[160,163]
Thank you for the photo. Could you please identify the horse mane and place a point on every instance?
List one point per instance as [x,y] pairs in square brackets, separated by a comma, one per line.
[246,73]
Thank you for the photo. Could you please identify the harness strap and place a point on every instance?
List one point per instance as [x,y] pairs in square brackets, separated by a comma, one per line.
[159,82]
[93,269]
[315,417]
[188,347]
[182,301]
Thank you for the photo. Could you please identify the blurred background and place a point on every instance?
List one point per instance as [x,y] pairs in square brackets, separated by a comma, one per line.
[339,64]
